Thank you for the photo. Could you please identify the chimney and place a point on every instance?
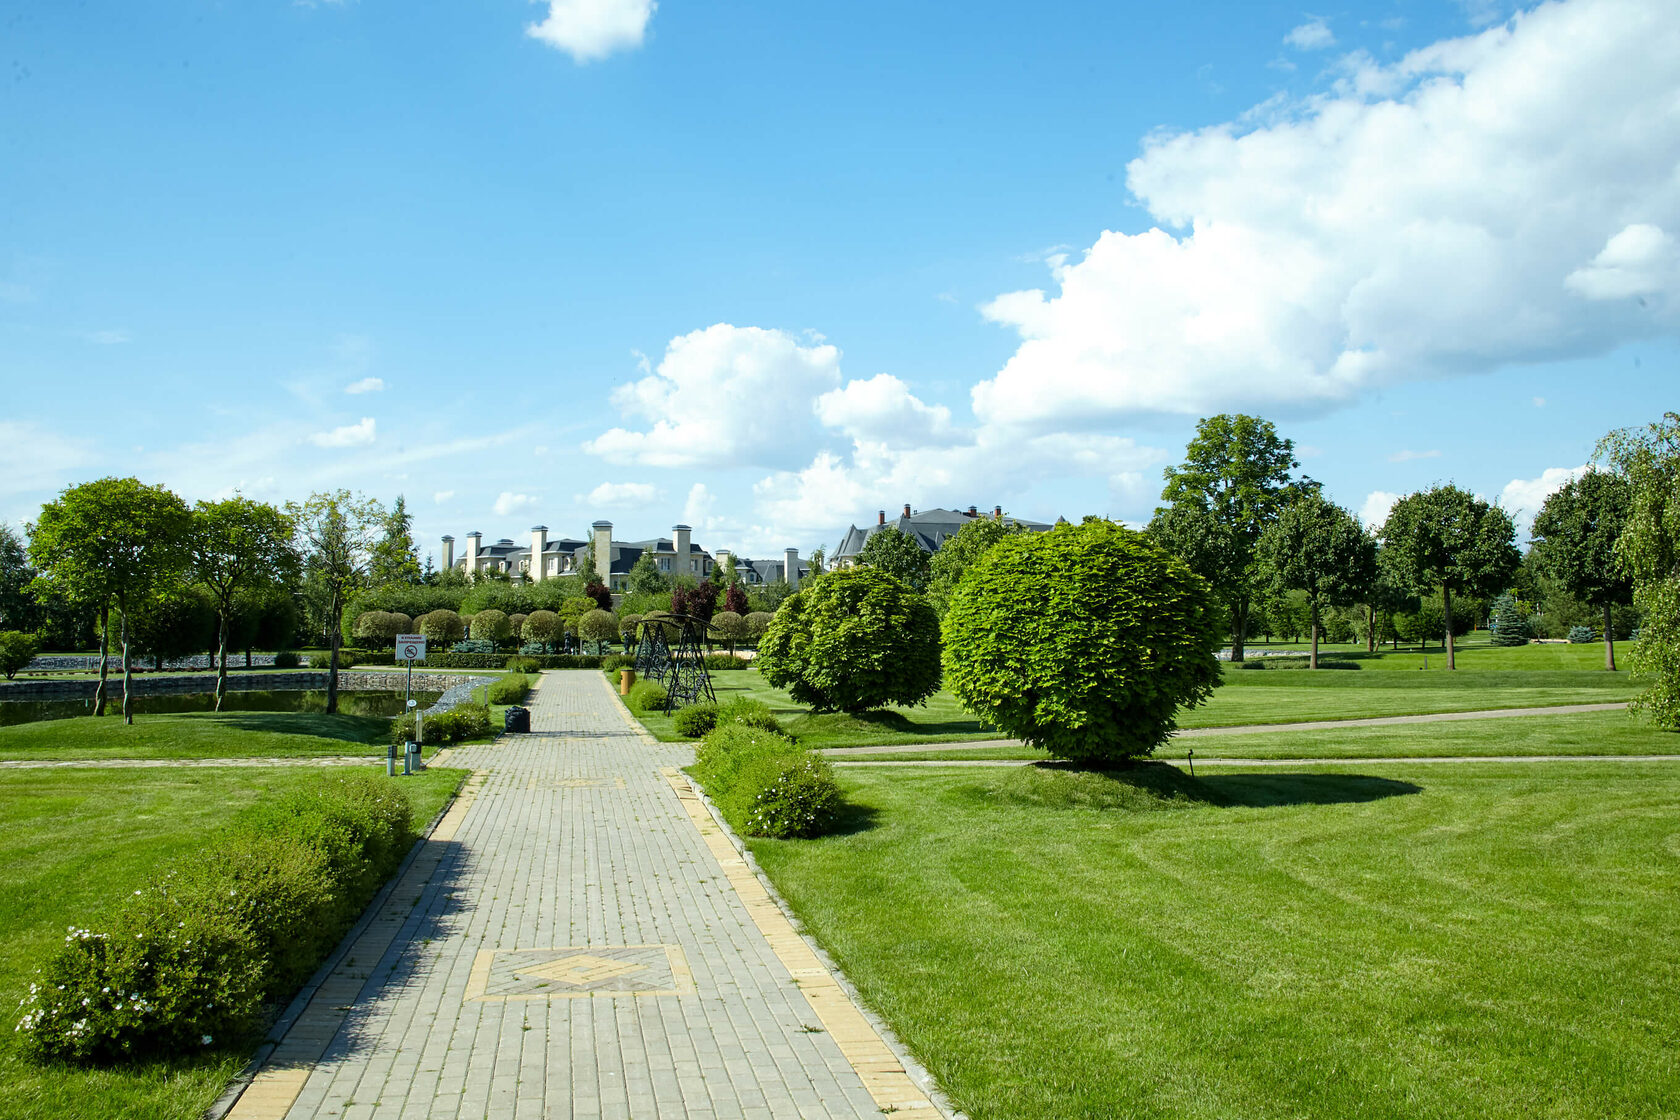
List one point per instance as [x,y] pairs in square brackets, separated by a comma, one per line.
[679,544]
[602,544]
[997,513]
[448,552]
[881,518]
[474,539]
[790,567]
[973,512]
[907,509]
[539,545]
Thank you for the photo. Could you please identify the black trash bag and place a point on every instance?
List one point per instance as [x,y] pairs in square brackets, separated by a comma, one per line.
[517,719]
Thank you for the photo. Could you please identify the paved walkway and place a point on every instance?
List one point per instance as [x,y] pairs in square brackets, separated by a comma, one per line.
[571,943]
[1249,729]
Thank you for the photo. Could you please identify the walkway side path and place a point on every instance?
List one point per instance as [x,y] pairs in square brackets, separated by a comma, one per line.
[146,763]
[1246,762]
[1250,729]
[573,950]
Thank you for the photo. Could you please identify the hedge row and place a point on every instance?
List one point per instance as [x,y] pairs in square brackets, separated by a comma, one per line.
[765,784]
[465,721]
[500,660]
[189,961]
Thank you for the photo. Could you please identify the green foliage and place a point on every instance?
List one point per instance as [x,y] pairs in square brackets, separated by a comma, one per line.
[1084,641]
[725,662]
[542,626]
[960,552]
[380,628]
[464,721]
[854,640]
[523,664]
[767,598]
[757,623]
[641,602]
[765,784]
[18,608]
[727,626]
[187,962]
[598,626]
[511,689]
[895,552]
[1649,551]
[1319,549]
[395,559]
[491,626]
[441,627]
[571,611]
[1449,541]
[172,621]
[17,650]
[1510,622]
[645,578]
[242,552]
[646,697]
[285,659]
[695,720]
[1580,635]
[698,720]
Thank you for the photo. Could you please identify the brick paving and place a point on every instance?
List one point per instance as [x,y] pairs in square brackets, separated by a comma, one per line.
[568,947]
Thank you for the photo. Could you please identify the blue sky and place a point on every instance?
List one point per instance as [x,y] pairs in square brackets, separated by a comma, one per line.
[767,268]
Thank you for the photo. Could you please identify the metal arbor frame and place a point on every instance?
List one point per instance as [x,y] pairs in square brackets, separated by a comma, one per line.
[682,670]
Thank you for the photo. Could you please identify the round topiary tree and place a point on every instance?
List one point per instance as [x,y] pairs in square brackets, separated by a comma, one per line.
[516,625]
[491,626]
[727,626]
[854,640]
[757,623]
[598,627]
[1083,641]
[441,626]
[542,626]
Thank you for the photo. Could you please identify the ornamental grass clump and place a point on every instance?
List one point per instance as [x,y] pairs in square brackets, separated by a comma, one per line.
[189,961]
[765,784]
[1084,641]
[511,689]
[646,697]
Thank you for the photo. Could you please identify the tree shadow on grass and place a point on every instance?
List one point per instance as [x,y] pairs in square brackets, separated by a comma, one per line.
[357,730]
[853,819]
[1265,790]
[884,720]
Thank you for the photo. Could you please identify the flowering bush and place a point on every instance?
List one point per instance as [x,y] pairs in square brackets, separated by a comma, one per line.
[764,783]
[189,959]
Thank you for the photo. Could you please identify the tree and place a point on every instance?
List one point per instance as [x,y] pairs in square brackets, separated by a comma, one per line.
[699,602]
[239,546]
[735,599]
[645,578]
[491,626]
[17,650]
[542,626]
[958,554]
[336,535]
[854,640]
[598,626]
[729,626]
[757,622]
[1234,481]
[1510,622]
[1084,641]
[395,559]
[381,628]
[172,622]
[443,626]
[598,591]
[111,542]
[1318,548]
[896,553]
[1648,551]
[18,608]
[1448,538]
[1575,536]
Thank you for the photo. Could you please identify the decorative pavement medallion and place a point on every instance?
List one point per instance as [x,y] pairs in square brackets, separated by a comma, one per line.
[594,970]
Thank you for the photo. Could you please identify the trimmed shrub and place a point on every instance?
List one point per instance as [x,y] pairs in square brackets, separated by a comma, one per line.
[522,665]
[17,650]
[491,626]
[499,660]
[511,689]
[757,623]
[854,640]
[320,661]
[1083,641]
[726,662]
[187,962]
[285,659]
[465,721]
[646,697]
[441,626]
[541,626]
[516,625]
[749,713]
[695,720]
[598,627]
[727,626]
[765,784]
[1580,634]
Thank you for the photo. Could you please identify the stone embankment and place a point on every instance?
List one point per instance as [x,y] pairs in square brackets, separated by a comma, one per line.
[283,681]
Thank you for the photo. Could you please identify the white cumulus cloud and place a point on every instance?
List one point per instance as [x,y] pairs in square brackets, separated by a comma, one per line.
[442,496]
[1408,455]
[1462,209]
[351,435]
[723,396]
[365,385]
[1314,35]
[593,29]
[1523,497]
[882,410]
[508,502]
[620,495]
[1375,510]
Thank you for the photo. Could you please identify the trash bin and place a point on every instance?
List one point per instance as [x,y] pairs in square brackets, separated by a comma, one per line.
[517,719]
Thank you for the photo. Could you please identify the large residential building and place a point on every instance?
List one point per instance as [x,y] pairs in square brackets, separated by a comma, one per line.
[928,528]
[674,555]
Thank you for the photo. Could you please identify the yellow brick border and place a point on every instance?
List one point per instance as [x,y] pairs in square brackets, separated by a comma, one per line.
[276,1086]
[883,1074]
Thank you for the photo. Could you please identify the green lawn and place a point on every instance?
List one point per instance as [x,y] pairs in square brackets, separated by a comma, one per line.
[1248,697]
[198,735]
[73,843]
[1448,941]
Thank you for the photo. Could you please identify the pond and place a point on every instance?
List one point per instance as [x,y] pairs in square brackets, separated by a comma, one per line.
[371,703]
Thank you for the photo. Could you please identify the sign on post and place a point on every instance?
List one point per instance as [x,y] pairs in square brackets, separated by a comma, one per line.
[411,647]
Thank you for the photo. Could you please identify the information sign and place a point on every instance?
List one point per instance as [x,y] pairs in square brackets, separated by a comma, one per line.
[411,647]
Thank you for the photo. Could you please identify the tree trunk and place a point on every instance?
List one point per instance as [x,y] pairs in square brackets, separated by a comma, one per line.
[128,669]
[332,666]
[221,663]
[1447,620]
[1312,662]
[1370,629]
[1239,628]
[104,658]
[1609,642]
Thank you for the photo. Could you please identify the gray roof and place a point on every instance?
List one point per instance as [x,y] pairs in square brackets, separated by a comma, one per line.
[929,528]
